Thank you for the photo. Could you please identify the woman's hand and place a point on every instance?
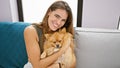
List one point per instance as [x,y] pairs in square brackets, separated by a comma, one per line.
[55,65]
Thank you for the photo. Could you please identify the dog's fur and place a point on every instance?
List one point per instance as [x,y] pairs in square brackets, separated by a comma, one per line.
[53,44]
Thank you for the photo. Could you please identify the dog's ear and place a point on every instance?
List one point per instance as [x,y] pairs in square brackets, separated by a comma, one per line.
[47,36]
[63,30]
[70,35]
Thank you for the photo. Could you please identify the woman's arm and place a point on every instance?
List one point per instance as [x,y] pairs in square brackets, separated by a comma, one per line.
[33,49]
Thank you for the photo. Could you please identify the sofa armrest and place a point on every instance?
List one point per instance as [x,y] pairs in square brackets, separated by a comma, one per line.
[12,45]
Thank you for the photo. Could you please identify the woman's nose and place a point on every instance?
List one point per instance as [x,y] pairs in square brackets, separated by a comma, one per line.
[58,22]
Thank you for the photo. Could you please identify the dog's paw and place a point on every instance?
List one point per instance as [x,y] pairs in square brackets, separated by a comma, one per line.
[56,49]
[50,51]
[43,55]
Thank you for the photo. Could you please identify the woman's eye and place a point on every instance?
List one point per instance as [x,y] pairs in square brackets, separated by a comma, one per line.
[57,16]
[64,20]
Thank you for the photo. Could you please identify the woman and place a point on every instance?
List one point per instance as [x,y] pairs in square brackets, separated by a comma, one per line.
[58,15]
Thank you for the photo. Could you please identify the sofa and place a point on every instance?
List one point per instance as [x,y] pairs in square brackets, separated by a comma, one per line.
[95,48]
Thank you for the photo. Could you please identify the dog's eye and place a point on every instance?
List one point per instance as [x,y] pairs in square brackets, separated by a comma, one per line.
[54,42]
[59,40]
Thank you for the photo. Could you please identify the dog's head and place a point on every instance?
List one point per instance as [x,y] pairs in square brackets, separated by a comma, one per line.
[55,39]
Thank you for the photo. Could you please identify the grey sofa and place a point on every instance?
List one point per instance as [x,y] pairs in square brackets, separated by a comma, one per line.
[97,48]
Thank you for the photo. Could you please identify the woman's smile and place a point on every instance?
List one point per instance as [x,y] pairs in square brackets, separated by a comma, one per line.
[55,24]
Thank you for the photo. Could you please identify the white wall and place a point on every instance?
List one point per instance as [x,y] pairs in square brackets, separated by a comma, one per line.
[5,13]
[8,10]
[101,13]
[34,10]
[14,10]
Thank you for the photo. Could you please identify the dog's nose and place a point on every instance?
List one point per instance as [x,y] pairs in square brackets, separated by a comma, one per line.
[57,45]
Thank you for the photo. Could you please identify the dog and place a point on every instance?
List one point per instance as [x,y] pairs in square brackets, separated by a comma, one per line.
[54,42]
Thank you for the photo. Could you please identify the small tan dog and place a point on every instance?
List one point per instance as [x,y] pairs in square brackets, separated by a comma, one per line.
[53,44]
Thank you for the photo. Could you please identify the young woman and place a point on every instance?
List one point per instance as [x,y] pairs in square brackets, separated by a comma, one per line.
[58,15]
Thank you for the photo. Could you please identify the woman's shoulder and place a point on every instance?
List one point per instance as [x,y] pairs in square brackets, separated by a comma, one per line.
[29,29]
[30,32]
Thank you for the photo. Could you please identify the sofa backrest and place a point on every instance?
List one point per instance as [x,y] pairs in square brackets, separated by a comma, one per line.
[97,48]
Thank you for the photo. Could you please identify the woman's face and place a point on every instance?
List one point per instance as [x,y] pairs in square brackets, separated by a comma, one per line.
[57,19]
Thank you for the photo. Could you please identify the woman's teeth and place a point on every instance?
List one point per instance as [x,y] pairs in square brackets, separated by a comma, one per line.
[55,24]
